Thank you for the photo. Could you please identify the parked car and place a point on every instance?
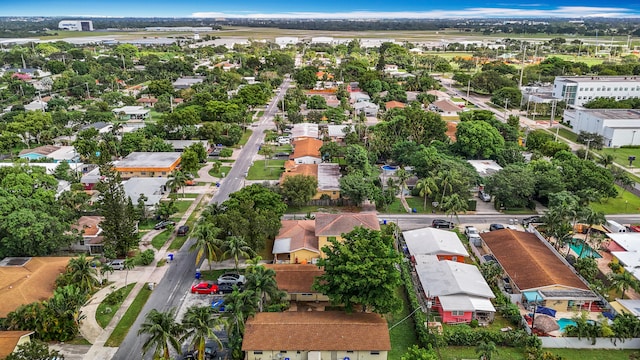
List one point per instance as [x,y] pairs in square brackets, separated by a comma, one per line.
[531,219]
[204,288]
[442,224]
[471,232]
[117,264]
[484,196]
[227,288]
[163,224]
[183,230]
[218,305]
[232,279]
[210,349]
[493,227]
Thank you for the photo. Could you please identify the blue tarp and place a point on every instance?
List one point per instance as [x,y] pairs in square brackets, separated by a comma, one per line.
[608,315]
[546,311]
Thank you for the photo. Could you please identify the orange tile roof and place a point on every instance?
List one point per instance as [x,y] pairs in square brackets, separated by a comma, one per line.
[316,331]
[9,341]
[296,278]
[33,281]
[306,147]
[300,169]
[338,224]
[301,233]
[528,261]
[394,104]
[88,225]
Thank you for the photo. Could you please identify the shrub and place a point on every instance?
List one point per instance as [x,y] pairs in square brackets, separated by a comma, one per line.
[145,258]
[474,323]
[114,297]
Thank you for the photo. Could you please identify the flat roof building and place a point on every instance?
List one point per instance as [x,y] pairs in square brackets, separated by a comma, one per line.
[578,90]
[148,164]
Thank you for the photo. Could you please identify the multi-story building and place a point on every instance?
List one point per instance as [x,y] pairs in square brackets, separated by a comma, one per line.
[148,164]
[578,90]
[618,127]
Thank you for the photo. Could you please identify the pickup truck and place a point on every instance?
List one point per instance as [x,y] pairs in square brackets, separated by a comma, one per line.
[471,232]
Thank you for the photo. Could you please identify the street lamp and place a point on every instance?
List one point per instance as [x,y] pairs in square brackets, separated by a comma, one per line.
[633,136]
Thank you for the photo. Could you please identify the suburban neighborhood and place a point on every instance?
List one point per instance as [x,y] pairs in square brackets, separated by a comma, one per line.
[190,194]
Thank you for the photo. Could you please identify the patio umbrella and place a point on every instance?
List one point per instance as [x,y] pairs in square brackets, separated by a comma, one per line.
[545,323]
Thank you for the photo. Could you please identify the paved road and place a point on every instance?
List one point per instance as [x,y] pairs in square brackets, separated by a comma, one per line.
[172,290]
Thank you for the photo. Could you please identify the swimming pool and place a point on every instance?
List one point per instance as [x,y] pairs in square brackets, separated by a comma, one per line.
[577,244]
[564,322]
[389,168]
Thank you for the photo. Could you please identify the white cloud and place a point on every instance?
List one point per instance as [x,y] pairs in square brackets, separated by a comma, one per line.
[560,12]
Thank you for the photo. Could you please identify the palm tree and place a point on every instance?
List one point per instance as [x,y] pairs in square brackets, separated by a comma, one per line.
[426,186]
[239,306]
[178,180]
[129,263]
[262,282]
[82,273]
[208,244]
[454,204]
[105,270]
[402,176]
[268,152]
[163,332]
[623,281]
[486,350]
[592,218]
[66,303]
[199,324]
[236,247]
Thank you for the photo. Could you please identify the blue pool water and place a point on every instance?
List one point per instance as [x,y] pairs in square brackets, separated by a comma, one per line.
[577,244]
[564,322]
[389,168]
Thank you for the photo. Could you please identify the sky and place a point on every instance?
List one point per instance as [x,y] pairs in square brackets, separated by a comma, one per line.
[353,9]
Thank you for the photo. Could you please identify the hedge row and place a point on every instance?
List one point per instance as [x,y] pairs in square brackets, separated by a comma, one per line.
[419,318]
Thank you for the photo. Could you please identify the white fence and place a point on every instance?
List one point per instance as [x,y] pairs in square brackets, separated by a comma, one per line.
[584,343]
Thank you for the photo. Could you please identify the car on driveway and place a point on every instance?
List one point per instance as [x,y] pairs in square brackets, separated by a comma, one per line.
[484,196]
[204,288]
[227,288]
[163,224]
[471,232]
[442,224]
[183,230]
[531,219]
[493,227]
[231,279]
[218,305]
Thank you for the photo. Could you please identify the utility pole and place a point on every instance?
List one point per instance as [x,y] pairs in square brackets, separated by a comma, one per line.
[524,54]
[586,153]
[553,113]
[506,106]
[88,93]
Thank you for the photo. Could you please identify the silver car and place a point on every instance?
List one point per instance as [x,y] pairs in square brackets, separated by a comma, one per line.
[231,278]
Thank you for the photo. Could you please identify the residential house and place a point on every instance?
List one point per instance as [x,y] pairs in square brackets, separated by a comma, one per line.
[446,108]
[440,95]
[180,145]
[335,225]
[297,281]
[337,133]
[459,292]
[55,153]
[153,188]
[36,105]
[390,68]
[485,168]
[10,340]
[394,105]
[537,274]
[307,151]
[147,102]
[131,113]
[316,335]
[366,107]
[101,126]
[358,96]
[26,280]
[327,175]
[187,82]
[443,244]
[91,233]
[148,164]
[627,306]
[625,249]
[305,130]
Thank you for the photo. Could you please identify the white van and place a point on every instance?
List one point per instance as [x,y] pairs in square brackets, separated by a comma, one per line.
[117,264]
[615,227]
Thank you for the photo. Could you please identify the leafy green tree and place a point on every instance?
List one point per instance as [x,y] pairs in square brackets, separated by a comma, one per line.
[199,324]
[509,97]
[587,268]
[357,159]
[297,190]
[512,186]
[190,162]
[486,350]
[34,350]
[81,272]
[316,102]
[418,353]
[207,244]
[357,187]
[454,204]
[162,332]
[361,270]
[119,225]
[426,188]
[165,209]
[478,139]
[236,247]
[63,172]
[239,306]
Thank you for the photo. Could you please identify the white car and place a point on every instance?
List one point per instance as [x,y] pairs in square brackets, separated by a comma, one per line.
[471,232]
[284,140]
[231,278]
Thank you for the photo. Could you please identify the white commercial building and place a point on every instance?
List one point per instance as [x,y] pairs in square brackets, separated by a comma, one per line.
[618,127]
[578,90]
[76,25]
[283,41]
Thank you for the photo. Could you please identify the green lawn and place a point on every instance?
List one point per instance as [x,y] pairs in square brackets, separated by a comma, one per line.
[179,195]
[621,155]
[159,240]
[245,137]
[121,330]
[218,174]
[272,172]
[212,275]
[507,353]
[104,316]
[565,133]
[403,335]
[413,202]
[625,203]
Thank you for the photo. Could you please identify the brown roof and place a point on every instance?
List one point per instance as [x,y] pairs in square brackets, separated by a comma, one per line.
[296,278]
[41,150]
[447,105]
[148,100]
[9,341]
[394,104]
[316,331]
[300,169]
[88,225]
[33,281]
[301,233]
[338,224]
[452,127]
[306,147]
[528,261]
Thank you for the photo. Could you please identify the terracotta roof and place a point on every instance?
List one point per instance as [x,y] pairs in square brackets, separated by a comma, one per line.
[306,147]
[41,150]
[88,225]
[338,224]
[316,331]
[33,281]
[447,106]
[529,262]
[296,278]
[148,100]
[301,233]
[9,341]
[300,169]
[394,104]
[452,127]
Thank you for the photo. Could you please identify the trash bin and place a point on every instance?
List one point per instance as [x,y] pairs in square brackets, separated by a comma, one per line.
[198,274]
[414,210]
[170,257]
[151,285]
[384,222]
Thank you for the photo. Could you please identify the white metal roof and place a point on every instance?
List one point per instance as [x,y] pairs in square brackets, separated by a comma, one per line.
[431,241]
[440,278]
[629,241]
[465,303]
[282,246]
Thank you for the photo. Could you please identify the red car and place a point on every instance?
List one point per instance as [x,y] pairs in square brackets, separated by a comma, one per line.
[204,288]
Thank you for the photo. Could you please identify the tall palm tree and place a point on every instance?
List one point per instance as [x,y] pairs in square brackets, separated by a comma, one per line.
[402,176]
[239,306]
[624,281]
[207,243]
[178,180]
[82,273]
[268,152]
[486,350]
[262,282]
[163,332]
[426,186]
[105,270]
[592,218]
[454,204]
[199,324]
[236,247]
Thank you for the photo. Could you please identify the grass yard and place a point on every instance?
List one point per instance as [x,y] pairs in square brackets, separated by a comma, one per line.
[625,203]
[212,275]
[413,202]
[403,335]
[245,137]
[596,354]
[468,352]
[182,206]
[621,155]
[272,172]
[565,133]
[159,240]
[104,316]
[218,174]
[179,195]
[121,330]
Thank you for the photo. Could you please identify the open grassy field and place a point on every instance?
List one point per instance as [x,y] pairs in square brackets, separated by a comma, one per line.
[621,155]
[625,203]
